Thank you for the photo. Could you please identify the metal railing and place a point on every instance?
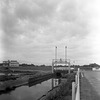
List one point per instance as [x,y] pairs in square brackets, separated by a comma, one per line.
[65,61]
[56,62]
[76,87]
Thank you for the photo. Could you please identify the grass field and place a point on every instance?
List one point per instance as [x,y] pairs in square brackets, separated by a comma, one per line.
[31,68]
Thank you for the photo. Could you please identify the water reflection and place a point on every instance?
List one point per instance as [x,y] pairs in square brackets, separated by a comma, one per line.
[31,91]
[2,74]
[55,82]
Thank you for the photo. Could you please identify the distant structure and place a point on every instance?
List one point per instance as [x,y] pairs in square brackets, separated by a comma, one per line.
[96,69]
[6,63]
[56,62]
[12,63]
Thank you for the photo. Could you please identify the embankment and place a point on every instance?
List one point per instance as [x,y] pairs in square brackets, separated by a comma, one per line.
[11,84]
[62,91]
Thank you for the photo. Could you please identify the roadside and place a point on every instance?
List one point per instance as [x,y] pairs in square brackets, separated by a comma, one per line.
[87,92]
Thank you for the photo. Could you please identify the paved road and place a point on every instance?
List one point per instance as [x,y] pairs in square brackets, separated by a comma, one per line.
[94,79]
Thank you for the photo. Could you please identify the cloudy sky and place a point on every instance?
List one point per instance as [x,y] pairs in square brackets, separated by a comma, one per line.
[30,30]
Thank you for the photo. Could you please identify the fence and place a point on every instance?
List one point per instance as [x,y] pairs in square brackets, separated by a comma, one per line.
[76,87]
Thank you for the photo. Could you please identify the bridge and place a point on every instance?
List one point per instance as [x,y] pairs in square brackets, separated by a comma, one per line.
[61,66]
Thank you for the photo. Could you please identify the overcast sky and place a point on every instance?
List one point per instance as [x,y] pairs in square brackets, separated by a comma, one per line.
[30,30]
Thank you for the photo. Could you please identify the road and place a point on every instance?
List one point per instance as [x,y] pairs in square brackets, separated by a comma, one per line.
[93,78]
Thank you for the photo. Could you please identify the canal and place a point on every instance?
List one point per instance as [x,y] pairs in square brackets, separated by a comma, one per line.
[31,92]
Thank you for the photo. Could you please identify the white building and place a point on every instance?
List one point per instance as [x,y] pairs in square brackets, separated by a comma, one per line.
[96,69]
[12,63]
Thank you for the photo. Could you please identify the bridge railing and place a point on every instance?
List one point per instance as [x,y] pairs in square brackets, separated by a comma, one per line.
[56,62]
[66,61]
[76,87]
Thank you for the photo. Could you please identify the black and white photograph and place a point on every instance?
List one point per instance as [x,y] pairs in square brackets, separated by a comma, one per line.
[49,49]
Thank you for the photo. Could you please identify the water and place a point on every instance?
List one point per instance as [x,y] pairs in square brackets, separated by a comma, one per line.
[31,93]
[2,74]
[9,74]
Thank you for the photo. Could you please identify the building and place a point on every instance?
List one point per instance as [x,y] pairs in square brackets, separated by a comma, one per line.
[96,69]
[12,63]
[6,63]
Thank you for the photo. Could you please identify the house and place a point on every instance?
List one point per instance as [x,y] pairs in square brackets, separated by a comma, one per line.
[6,63]
[12,63]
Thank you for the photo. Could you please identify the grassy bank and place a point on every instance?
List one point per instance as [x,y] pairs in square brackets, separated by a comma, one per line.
[31,68]
[23,79]
[61,92]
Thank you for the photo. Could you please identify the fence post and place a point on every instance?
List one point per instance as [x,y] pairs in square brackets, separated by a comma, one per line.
[73,90]
[76,79]
[79,81]
[52,67]
[78,87]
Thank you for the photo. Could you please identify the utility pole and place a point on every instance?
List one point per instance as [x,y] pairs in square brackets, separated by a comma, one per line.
[65,53]
[54,62]
[56,53]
